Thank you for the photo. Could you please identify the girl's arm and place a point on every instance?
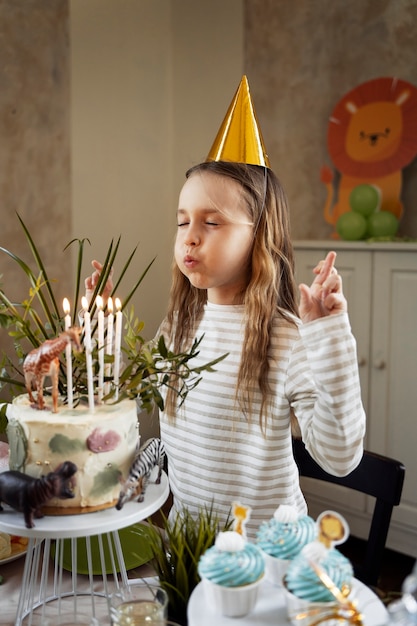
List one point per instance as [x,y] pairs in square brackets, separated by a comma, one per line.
[324,390]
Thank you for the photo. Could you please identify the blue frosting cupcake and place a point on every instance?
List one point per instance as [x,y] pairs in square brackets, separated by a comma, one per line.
[304,582]
[231,572]
[282,538]
[231,562]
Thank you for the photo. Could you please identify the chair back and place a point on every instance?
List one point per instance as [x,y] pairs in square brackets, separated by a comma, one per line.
[377,476]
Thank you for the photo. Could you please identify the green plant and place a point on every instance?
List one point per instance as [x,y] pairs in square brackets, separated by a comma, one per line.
[177,547]
[148,365]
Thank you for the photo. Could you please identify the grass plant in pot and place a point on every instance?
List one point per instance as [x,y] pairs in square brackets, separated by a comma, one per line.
[177,545]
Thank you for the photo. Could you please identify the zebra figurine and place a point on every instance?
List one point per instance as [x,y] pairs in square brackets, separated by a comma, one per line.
[150,455]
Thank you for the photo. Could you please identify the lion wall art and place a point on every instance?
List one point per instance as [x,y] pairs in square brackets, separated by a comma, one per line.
[372,136]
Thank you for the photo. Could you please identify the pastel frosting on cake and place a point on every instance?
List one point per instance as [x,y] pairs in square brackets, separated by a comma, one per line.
[101,444]
[302,580]
[285,534]
[232,562]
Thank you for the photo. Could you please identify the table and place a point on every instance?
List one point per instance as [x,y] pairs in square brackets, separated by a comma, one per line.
[271,610]
[43,598]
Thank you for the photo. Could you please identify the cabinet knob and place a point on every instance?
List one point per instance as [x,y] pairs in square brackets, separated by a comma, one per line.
[380,364]
[361,361]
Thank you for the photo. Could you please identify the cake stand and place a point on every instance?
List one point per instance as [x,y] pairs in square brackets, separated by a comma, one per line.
[46,592]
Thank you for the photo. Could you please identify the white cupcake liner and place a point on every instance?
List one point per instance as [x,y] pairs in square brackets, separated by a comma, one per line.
[275,569]
[231,601]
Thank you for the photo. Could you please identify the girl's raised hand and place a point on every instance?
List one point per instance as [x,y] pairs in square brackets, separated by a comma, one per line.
[325,296]
[91,282]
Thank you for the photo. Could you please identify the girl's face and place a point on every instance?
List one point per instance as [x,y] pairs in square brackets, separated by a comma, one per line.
[214,238]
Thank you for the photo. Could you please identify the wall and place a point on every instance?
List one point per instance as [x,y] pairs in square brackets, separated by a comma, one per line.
[151,82]
[301,58]
[35,141]
[104,104]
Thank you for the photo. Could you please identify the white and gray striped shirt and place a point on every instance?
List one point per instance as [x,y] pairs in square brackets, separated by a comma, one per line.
[216,456]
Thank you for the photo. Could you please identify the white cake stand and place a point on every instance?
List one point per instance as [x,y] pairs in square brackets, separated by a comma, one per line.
[46,593]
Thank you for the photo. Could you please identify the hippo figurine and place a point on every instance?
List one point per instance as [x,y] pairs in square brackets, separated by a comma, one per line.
[27,494]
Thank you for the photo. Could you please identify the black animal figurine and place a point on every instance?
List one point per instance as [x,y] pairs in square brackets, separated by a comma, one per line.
[27,494]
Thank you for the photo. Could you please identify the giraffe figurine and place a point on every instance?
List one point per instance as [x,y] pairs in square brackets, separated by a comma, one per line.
[44,361]
[241,514]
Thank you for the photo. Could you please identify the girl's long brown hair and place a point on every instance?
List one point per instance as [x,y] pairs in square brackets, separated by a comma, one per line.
[270,290]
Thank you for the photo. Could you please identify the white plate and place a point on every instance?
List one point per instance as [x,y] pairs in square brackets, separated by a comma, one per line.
[15,555]
[271,609]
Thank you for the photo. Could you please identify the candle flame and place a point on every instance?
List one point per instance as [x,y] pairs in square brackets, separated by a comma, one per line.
[66,306]
[118,304]
[84,303]
[110,305]
[99,302]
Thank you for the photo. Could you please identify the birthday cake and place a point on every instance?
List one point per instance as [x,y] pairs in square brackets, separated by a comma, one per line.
[102,444]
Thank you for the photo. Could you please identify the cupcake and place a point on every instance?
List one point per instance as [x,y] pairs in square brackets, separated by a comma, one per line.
[311,573]
[282,538]
[231,572]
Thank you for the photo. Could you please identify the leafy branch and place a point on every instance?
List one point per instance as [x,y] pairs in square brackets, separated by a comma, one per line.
[147,366]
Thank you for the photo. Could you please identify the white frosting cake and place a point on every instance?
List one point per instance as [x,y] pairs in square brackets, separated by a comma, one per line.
[101,444]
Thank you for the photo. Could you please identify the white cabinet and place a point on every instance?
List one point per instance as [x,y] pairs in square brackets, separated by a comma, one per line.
[380,284]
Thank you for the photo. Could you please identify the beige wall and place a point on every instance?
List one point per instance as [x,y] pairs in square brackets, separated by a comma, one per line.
[150,84]
[105,103]
[34,143]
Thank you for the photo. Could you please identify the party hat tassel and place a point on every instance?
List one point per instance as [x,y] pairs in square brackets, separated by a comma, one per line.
[239,138]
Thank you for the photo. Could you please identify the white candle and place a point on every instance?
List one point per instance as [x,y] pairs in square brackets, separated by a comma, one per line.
[109,341]
[68,354]
[117,347]
[100,332]
[88,353]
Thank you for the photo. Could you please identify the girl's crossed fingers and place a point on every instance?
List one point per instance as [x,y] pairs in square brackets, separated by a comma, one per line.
[92,280]
[325,296]
[327,277]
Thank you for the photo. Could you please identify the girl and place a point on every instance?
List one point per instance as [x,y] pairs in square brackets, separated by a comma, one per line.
[233,284]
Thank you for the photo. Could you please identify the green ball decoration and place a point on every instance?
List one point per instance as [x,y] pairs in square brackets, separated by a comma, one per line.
[351,226]
[382,224]
[364,199]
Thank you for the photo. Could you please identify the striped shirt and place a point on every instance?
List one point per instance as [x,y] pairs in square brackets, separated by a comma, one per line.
[217,456]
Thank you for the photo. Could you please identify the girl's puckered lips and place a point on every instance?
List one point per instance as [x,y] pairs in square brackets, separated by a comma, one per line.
[190,261]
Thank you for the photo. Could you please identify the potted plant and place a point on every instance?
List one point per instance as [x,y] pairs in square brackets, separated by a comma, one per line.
[176,546]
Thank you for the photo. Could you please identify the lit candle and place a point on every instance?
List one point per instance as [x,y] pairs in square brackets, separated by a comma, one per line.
[68,354]
[109,342]
[117,347]
[88,353]
[100,332]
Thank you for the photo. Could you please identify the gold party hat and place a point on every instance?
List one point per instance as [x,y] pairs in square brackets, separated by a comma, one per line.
[239,138]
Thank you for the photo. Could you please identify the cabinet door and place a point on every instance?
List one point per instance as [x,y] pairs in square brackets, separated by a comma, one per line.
[393,405]
[355,267]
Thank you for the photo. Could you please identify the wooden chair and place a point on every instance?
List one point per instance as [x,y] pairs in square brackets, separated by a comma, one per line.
[377,476]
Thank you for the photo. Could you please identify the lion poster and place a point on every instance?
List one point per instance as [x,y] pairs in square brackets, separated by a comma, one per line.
[372,136]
